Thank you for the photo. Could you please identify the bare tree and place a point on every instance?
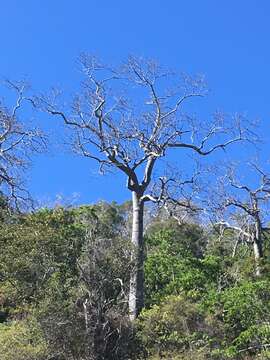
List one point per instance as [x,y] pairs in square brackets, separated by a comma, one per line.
[250,208]
[128,119]
[17,143]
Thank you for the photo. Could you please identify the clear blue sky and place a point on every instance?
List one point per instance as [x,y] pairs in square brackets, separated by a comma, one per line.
[228,41]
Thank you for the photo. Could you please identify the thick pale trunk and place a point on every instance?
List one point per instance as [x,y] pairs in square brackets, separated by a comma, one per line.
[258,250]
[136,292]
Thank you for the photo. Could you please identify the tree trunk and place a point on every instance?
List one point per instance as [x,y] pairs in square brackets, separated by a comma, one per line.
[136,291]
[258,249]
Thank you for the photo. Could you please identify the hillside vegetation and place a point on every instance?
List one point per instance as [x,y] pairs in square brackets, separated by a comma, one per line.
[64,279]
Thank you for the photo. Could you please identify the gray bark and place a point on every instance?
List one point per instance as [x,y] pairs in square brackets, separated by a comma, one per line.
[258,248]
[136,291]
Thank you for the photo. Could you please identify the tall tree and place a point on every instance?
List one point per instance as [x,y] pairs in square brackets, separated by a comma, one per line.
[128,118]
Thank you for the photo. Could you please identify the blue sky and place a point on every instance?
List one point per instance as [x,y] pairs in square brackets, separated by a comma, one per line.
[228,41]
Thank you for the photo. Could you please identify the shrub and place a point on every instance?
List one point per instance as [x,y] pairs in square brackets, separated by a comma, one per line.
[176,325]
[22,340]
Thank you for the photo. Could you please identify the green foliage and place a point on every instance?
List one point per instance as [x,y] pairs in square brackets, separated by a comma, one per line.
[246,304]
[233,304]
[36,247]
[22,340]
[73,264]
[172,268]
[245,313]
[64,280]
[176,325]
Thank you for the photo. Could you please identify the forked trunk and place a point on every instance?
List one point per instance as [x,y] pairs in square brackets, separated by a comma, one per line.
[136,291]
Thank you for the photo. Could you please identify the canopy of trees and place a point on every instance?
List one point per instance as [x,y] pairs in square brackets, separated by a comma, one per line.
[65,281]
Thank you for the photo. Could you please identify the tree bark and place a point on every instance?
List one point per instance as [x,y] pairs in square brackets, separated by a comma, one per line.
[258,249]
[136,291]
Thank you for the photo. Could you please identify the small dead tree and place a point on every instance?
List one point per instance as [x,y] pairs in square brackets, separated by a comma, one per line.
[174,196]
[250,208]
[17,143]
[128,118]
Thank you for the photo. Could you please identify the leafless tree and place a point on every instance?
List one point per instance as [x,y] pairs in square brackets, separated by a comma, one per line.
[249,215]
[17,143]
[129,118]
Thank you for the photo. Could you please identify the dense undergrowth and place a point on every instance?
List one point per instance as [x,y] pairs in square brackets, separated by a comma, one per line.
[64,276]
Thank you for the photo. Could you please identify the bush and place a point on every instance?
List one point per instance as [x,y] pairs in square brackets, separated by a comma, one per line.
[176,325]
[170,269]
[244,311]
[22,340]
